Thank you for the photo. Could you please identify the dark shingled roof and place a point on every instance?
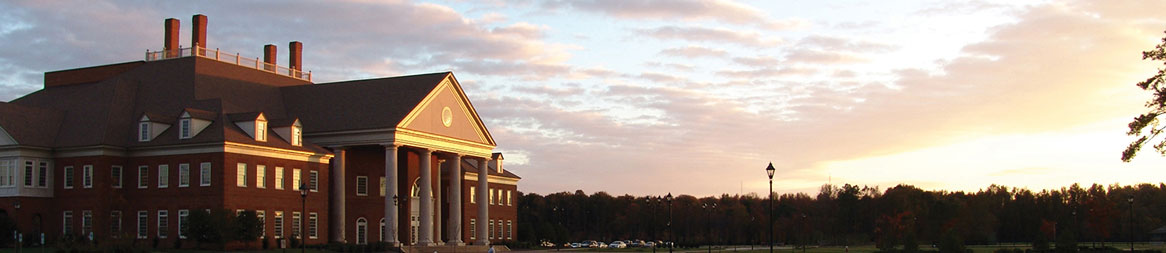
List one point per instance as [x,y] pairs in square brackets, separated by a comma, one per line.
[30,125]
[473,167]
[358,105]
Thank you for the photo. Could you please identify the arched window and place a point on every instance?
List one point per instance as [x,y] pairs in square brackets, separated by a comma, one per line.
[361,231]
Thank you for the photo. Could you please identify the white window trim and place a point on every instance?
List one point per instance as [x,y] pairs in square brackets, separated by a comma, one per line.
[279,178]
[277,228]
[163,216]
[183,173]
[68,177]
[313,181]
[205,179]
[87,173]
[184,131]
[144,132]
[358,186]
[115,222]
[66,222]
[163,176]
[139,233]
[262,223]
[143,183]
[313,225]
[182,213]
[241,175]
[261,130]
[260,176]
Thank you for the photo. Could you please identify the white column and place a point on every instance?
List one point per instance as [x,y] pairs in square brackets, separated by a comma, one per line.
[391,195]
[425,237]
[437,205]
[337,209]
[483,202]
[455,201]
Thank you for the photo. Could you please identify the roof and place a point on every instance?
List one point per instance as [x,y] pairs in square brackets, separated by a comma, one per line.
[473,167]
[359,105]
[30,125]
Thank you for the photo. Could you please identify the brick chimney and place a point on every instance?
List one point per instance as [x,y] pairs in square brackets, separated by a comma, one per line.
[198,35]
[295,61]
[269,57]
[170,43]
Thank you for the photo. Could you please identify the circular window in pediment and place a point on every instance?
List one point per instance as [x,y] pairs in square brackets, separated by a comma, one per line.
[446,116]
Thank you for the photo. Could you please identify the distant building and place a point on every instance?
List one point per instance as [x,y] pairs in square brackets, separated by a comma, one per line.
[128,150]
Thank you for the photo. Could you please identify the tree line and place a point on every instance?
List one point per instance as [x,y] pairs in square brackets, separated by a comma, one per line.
[853,215]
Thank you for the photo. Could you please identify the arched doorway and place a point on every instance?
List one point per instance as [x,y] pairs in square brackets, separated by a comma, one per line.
[414,212]
[361,231]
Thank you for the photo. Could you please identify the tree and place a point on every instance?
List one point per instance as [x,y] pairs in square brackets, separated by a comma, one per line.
[247,227]
[1156,106]
[212,227]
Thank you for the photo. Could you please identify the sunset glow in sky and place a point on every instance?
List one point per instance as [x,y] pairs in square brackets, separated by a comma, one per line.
[696,97]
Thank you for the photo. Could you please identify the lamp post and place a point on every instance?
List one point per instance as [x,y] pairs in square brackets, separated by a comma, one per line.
[709,223]
[304,211]
[652,223]
[671,239]
[1131,200]
[769,171]
[393,227]
[555,212]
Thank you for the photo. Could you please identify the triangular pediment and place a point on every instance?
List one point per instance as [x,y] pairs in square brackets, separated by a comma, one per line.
[447,112]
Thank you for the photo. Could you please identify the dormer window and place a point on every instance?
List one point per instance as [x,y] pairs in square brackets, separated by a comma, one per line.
[184,128]
[261,130]
[297,138]
[144,131]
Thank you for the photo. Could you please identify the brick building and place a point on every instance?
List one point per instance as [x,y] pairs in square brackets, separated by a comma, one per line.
[128,150]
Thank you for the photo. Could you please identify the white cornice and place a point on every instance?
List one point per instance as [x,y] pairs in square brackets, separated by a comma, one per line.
[473,176]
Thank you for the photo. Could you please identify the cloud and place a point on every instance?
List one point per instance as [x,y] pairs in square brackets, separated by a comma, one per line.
[723,11]
[705,34]
[694,52]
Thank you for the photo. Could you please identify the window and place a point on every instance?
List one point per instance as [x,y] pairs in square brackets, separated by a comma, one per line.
[86,222]
[28,173]
[42,175]
[262,216]
[491,198]
[87,176]
[163,176]
[183,176]
[491,231]
[509,229]
[143,224]
[184,127]
[473,228]
[115,176]
[182,214]
[143,176]
[473,197]
[144,131]
[313,177]
[279,178]
[296,224]
[361,231]
[115,223]
[68,177]
[296,179]
[67,223]
[260,176]
[382,186]
[163,223]
[508,203]
[6,172]
[296,139]
[312,226]
[361,186]
[241,175]
[204,174]
[260,130]
[278,231]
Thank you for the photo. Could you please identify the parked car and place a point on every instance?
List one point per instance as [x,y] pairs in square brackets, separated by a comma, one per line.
[575,245]
[547,244]
[617,245]
[649,244]
[600,245]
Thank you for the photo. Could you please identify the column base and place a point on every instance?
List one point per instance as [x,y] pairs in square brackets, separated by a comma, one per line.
[425,244]
[455,243]
[482,242]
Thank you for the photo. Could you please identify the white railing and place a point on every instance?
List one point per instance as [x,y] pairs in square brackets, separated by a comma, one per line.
[217,55]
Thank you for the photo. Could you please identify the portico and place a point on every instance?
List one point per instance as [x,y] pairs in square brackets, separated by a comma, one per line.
[421,161]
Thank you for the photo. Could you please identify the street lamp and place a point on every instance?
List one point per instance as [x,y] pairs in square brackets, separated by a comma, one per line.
[672,240]
[709,223]
[304,211]
[393,227]
[652,223]
[769,171]
[555,213]
[1131,200]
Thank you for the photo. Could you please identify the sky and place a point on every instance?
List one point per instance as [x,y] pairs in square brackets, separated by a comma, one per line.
[648,97]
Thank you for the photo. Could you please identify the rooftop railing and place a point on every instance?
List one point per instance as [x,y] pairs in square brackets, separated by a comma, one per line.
[236,59]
